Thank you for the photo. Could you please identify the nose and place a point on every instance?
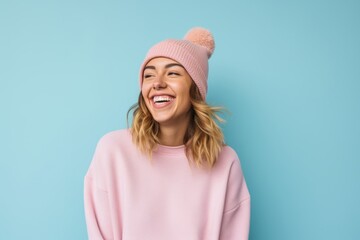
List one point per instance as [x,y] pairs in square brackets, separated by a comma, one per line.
[159,83]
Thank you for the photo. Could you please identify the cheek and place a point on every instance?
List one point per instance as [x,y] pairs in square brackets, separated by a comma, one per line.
[145,90]
[185,97]
[143,93]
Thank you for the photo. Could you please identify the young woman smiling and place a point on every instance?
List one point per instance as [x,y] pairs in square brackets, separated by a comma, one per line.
[170,176]
[166,91]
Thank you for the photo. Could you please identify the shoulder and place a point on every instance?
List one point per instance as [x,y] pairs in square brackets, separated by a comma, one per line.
[228,156]
[236,190]
[110,149]
[115,137]
[229,162]
[115,141]
[106,157]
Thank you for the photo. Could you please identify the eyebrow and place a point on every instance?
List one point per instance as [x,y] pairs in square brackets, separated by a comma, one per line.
[166,66]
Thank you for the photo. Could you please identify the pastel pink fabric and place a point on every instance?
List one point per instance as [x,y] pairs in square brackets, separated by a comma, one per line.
[129,197]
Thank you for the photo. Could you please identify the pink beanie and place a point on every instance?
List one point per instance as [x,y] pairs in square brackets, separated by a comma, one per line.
[192,52]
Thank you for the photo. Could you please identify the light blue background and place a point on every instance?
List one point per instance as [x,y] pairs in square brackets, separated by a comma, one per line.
[288,71]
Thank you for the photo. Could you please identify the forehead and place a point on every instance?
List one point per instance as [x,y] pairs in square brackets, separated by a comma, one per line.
[160,61]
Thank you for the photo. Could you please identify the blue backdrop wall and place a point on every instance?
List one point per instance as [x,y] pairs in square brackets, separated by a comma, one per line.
[288,71]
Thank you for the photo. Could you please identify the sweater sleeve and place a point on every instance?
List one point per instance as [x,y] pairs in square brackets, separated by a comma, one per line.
[236,217]
[96,202]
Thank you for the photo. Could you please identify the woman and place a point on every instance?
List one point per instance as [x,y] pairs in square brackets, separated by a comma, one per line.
[170,176]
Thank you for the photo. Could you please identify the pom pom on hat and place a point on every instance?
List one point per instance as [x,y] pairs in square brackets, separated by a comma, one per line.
[202,37]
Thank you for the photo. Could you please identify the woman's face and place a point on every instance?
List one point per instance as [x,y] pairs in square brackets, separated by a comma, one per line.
[166,91]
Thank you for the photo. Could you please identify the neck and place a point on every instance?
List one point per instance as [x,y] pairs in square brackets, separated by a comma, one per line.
[173,135]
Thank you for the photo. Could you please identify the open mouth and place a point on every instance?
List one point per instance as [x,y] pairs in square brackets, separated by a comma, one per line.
[162,100]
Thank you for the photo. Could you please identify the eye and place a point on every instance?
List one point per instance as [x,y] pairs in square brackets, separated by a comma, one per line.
[147,76]
[173,74]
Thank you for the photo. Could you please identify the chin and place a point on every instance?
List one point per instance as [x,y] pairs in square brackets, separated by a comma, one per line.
[162,120]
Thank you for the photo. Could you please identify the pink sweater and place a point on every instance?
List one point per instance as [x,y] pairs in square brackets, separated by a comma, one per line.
[129,197]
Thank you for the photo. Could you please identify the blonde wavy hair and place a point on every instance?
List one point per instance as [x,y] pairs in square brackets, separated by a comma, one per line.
[203,139]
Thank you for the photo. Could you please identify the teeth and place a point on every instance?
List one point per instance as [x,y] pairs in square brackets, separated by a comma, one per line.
[162,99]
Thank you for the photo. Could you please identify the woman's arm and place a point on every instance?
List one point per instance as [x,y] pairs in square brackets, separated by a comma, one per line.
[96,199]
[236,217]
[236,222]
[97,213]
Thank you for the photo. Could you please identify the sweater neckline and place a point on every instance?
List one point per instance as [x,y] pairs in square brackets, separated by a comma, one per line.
[172,150]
